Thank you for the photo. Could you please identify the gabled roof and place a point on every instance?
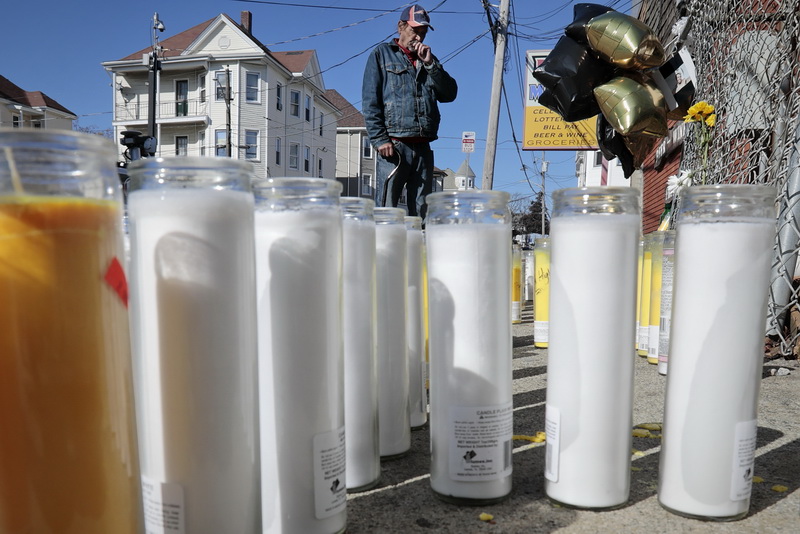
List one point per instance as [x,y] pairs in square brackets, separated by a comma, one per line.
[350,116]
[175,45]
[32,99]
[295,61]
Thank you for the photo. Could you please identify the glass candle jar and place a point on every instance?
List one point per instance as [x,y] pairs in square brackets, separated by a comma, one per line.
[588,419]
[656,259]
[541,299]
[393,380]
[516,284]
[301,369]
[643,334]
[665,312]
[358,328]
[68,454]
[529,274]
[194,341]
[723,252]
[417,393]
[469,267]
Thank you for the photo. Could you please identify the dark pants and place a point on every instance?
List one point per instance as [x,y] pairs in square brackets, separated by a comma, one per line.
[415,172]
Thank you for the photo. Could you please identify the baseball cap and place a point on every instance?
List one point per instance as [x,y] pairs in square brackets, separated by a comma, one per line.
[416,16]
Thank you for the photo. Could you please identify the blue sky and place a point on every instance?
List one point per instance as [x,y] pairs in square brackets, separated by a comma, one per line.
[57,47]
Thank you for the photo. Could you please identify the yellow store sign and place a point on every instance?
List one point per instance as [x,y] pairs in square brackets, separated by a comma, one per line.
[545,129]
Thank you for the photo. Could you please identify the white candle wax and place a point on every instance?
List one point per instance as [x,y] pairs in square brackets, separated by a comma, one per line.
[393,384]
[469,270]
[301,370]
[417,395]
[194,340]
[589,368]
[720,292]
[360,364]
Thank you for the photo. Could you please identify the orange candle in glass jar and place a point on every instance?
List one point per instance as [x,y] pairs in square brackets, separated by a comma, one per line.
[68,460]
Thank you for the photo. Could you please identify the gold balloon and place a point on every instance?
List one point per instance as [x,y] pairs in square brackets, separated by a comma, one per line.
[631,107]
[640,147]
[624,41]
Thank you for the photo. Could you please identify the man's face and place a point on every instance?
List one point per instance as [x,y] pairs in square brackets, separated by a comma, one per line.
[410,36]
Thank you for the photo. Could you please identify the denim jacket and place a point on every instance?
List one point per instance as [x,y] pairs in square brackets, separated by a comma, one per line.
[399,99]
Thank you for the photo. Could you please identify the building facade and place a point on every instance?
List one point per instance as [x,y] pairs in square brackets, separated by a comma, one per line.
[221,92]
[355,157]
[31,109]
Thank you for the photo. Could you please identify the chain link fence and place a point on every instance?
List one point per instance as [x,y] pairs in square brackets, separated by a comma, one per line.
[747,58]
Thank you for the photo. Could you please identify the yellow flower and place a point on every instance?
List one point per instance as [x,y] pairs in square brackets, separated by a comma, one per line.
[698,112]
[711,120]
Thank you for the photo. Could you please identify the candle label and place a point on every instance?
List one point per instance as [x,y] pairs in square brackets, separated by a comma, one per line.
[744,456]
[552,429]
[330,494]
[540,331]
[163,507]
[115,277]
[481,442]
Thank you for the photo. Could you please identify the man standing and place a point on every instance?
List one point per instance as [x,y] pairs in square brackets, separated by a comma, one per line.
[403,83]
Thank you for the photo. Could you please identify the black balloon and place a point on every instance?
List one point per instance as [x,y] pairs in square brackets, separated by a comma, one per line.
[612,145]
[582,14]
[568,75]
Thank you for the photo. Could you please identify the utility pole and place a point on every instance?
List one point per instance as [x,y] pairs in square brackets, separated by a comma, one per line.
[494,104]
[228,109]
[544,196]
[155,66]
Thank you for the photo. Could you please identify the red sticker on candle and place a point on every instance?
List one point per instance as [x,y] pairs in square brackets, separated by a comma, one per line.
[115,277]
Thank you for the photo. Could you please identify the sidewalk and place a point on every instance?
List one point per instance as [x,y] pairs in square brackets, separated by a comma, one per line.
[403,501]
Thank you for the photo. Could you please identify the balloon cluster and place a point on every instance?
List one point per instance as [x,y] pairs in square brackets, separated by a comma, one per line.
[607,63]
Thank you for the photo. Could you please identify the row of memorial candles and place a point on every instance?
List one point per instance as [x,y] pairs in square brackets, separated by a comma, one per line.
[265,373]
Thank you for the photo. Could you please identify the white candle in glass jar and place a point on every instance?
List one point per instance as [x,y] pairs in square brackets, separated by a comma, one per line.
[590,372]
[417,393]
[392,283]
[194,340]
[720,289]
[360,363]
[469,273]
[301,367]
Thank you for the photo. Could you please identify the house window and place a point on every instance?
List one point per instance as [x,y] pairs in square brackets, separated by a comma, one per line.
[201,140]
[181,98]
[36,123]
[366,147]
[181,145]
[252,93]
[278,96]
[15,122]
[308,108]
[319,168]
[278,151]
[321,115]
[221,143]
[201,83]
[221,83]
[598,158]
[294,104]
[366,185]
[251,144]
[294,156]
[307,159]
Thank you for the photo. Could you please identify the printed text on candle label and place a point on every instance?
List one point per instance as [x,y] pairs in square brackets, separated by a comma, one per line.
[163,507]
[330,495]
[481,442]
[744,455]
[541,331]
[552,424]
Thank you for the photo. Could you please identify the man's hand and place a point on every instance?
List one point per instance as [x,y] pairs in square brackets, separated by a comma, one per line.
[386,150]
[424,53]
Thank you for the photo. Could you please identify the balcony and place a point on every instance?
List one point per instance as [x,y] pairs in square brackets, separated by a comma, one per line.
[169,112]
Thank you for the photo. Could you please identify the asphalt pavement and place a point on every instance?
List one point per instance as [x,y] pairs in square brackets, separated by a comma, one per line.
[403,501]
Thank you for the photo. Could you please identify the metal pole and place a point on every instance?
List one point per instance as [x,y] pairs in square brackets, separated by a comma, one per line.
[494,104]
[228,109]
[544,195]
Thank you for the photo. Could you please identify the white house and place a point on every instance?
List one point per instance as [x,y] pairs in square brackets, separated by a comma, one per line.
[31,109]
[221,92]
[592,169]
[355,158]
